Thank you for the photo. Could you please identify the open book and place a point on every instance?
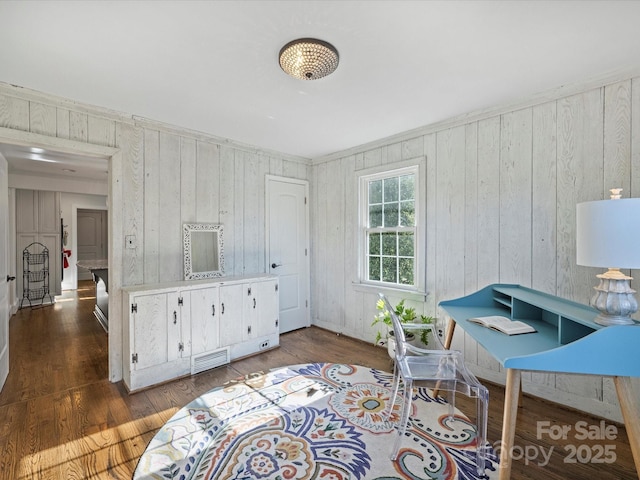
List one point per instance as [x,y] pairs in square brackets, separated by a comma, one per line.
[504,325]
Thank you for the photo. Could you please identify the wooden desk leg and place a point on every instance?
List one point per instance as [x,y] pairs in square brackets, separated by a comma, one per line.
[451,326]
[630,414]
[512,391]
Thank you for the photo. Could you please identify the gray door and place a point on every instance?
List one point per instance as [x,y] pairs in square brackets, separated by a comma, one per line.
[92,238]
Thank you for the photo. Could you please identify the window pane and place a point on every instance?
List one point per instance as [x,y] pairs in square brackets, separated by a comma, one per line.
[389,244]
[391,214]
[375,191]
[374,244]
[406,271]
[407,214]
[405,244]
[391,189]
[389,273]
[374,268]
[375,215]
[407,188]
[391,234]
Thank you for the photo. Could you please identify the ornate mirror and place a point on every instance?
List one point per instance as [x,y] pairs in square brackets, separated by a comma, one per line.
[203,251]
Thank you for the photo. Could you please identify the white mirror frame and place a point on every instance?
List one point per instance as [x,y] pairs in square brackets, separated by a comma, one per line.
[216,230]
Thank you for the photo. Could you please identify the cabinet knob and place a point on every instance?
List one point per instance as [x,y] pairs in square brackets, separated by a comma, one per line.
[175,317]
[213,314]
[10,278]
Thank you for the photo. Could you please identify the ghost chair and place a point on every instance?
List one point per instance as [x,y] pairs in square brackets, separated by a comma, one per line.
[441,370]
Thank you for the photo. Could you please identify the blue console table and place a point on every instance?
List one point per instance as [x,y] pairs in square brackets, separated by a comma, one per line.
[567,341]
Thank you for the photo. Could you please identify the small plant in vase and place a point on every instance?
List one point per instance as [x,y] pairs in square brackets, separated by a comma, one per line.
[406,315]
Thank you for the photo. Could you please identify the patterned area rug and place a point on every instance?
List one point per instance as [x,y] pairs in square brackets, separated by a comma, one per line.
[316,421]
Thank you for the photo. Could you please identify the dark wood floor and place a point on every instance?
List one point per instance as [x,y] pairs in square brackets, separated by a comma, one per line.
[60,418]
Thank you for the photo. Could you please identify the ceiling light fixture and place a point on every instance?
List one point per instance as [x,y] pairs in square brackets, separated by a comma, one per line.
[308,58]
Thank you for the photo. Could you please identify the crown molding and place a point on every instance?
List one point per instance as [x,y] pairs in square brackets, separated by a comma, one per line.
[554,94]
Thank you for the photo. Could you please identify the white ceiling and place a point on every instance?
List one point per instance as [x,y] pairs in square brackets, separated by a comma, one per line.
[212,66]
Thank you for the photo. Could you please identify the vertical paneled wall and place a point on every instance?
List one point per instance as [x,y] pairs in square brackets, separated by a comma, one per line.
[168,178]
[501,198]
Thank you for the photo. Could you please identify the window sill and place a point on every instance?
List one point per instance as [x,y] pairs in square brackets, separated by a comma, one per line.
[412,295]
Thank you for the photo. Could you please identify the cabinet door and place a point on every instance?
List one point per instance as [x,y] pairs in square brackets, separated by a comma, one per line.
[48,212]
[205,324]
[37,211]
[26,211]
[149,330]
[178,325]
[266,295]
[250,317]
[231,314]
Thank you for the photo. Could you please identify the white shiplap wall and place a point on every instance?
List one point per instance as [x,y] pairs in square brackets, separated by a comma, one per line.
[502,190]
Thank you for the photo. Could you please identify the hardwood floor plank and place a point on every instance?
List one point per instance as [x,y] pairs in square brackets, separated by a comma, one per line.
[60,417]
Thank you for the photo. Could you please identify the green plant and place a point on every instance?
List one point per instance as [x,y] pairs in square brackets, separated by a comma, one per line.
[405,314]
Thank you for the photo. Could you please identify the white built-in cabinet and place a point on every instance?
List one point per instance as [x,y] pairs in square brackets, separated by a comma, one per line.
[38,220]
[182,328]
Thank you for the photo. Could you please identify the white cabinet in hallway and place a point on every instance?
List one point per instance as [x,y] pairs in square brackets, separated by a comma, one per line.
[181,328]
[38,220]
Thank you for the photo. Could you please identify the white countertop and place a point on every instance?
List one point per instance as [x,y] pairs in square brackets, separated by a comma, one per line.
[98,264]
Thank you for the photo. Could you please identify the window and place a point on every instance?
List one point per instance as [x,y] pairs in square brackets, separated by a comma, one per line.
[390,228]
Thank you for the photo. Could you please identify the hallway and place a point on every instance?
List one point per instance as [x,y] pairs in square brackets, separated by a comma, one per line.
[46,341]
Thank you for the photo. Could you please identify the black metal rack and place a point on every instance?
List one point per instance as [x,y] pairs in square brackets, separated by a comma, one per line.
[35,274]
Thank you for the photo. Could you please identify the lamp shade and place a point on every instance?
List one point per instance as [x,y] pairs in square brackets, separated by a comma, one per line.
[608,233]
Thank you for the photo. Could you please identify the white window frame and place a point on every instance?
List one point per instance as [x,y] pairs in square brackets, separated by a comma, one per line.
[416,167]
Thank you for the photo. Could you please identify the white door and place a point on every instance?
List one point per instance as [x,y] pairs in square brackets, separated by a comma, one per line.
[4,272]
[92,238]
[287,251]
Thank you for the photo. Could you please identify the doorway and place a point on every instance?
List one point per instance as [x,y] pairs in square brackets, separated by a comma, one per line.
[84,156]
[92,238]
[288,248]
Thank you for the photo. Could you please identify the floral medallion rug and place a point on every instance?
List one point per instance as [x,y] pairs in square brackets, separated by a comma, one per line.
[316,421]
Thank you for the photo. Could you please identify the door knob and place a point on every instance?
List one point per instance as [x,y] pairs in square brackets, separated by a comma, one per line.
[275,265]
[10,278]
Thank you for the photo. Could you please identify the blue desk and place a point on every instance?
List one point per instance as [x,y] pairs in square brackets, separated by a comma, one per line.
[567,341]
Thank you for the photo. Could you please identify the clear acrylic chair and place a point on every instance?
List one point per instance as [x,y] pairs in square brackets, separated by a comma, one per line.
[438,369]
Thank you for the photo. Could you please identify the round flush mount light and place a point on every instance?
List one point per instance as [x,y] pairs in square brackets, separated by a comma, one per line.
[308,58]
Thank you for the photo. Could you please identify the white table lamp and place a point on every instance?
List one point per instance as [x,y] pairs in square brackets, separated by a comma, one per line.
[608,236]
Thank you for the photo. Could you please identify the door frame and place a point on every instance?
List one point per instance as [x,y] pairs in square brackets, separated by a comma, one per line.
[275,178]
[114,158]
[5,299]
